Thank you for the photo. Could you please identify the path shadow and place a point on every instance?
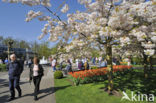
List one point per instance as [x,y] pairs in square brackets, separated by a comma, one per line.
[47,91]
[4,92]
[51,90]
[5,83]
[3,99]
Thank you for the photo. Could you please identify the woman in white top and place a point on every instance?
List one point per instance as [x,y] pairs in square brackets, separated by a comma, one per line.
[36,73]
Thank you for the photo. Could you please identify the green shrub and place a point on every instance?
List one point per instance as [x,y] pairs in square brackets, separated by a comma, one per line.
[58,75]
[63,66]
[74,61]
[137,60]
[57,66]
[94,67]
[3,67]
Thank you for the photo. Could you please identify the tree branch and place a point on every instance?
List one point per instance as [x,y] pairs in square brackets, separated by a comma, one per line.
[52,13]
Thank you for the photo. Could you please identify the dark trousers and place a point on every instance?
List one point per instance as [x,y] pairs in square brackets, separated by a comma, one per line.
[36,80]
[14,83]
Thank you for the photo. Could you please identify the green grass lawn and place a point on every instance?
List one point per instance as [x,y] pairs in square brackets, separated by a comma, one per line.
[91,93]
[87,93]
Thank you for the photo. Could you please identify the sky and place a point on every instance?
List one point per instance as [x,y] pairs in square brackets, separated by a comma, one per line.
[12,20]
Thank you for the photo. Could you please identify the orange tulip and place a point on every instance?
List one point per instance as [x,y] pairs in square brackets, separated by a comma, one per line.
[97,72]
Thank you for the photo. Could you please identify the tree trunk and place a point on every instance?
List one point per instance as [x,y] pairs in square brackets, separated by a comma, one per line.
[150,62]
[145,66]
[109,67]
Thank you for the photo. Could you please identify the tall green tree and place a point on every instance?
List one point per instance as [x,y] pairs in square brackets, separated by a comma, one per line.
[44,50]
[24,44]
[1,39]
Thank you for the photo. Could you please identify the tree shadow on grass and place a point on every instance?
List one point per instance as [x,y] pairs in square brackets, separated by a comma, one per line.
[134,80]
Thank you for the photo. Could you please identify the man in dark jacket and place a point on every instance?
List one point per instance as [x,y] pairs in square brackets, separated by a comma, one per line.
[14,70]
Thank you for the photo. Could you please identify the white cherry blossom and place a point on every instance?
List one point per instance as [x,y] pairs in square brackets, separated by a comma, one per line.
[65,8]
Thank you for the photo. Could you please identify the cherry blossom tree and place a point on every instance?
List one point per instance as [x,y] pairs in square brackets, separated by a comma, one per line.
[108,24]
[104,23]
[144,49]
[144,34]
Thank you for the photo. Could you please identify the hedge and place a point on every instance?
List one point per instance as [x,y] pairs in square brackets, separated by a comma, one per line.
[3,67]
[58,75]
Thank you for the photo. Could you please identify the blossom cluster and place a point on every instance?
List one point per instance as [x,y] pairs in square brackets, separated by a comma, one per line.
[65,8]
[102,22]
[31,2]
[31,14]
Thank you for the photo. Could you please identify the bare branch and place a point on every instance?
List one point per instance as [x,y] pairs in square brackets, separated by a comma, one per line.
[52,13]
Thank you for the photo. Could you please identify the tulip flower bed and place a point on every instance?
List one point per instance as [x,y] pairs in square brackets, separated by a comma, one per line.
[94,75]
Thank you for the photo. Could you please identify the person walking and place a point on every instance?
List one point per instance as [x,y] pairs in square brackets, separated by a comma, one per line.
[29,63]
[61,65]
[86,65]
[6,61]
[69,66]
[14,70]
[96,59]
[36,73]
[93,60]
[22,62]
[77,62]
[103,63]
[80,65]
[100,60]
[54,64]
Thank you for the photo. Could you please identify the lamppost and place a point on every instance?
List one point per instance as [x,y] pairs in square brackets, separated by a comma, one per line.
[10,42]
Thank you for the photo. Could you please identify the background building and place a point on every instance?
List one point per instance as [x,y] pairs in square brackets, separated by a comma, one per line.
[20,52]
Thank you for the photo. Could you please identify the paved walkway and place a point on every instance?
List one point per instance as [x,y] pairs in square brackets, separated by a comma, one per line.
[46,95]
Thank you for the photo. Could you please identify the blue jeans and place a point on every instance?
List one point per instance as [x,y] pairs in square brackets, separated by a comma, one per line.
[54,68]
[14,83]
[93,62]
[99,63]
